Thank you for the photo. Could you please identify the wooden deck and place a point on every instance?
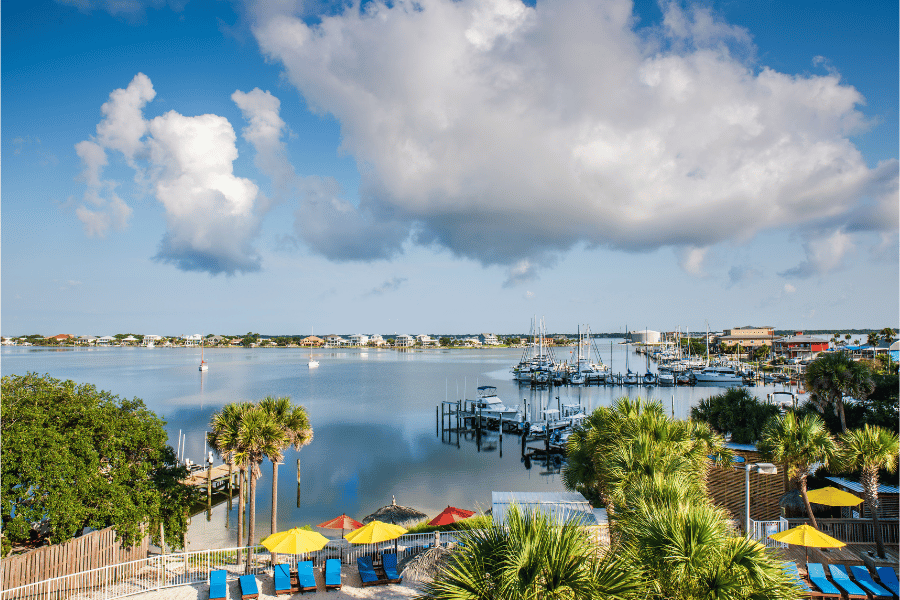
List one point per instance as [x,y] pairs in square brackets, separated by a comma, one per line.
[198,478]
[848,555]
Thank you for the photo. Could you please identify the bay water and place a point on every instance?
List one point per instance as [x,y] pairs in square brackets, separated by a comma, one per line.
[373,413]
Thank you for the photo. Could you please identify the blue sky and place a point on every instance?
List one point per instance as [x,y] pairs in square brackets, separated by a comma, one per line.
[447,167]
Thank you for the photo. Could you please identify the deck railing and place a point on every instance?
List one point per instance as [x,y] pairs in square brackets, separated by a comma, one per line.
[190,568]
[856,531]
[761,530]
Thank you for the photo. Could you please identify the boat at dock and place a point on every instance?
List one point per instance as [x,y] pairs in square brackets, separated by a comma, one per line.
[491,406]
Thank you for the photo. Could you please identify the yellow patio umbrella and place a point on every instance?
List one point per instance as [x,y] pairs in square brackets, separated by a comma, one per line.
[831,496]
[808,537]
[374,532]
[295,541]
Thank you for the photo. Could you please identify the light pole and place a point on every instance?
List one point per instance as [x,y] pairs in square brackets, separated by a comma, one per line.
[762,469]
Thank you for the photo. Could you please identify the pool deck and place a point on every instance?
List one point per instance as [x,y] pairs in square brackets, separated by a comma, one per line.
[351,588]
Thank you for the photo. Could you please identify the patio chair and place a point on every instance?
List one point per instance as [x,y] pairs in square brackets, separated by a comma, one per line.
[306,580]
[332,574]
[218,589]
[794,573]
[248,587]
[282,578]
[864,579]
[817,577]
[888,578]
[389,561]
[842,579]
[367,574]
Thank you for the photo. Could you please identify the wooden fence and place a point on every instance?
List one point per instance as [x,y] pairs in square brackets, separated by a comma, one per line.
[85,553]
[855,531]
[726,487]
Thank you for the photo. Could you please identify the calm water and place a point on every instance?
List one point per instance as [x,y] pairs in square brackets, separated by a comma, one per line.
[372,412]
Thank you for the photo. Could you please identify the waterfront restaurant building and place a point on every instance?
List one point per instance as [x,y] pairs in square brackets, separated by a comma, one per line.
[800,346]
[748,337]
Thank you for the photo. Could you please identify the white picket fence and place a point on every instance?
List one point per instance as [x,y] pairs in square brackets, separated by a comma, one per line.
[191,568]
[761,530]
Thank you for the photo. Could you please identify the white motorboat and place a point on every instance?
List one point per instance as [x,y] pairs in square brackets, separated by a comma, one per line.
[312,363]
[666,379]
[491,406]
[713,374]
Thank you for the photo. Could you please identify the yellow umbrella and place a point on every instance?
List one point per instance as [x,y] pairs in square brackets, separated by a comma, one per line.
[375,532]
[806,536]
[295,541]
[831,496]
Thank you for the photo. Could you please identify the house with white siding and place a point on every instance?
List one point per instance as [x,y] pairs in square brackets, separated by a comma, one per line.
[358,339]
[404,341]
[376,340]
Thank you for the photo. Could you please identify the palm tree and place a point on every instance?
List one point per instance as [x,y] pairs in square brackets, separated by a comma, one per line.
[834,375]
[259,436]
[531,557]
[294,424]
[225,427]
[887,334]
[798,443]
[869,450]
[872,339]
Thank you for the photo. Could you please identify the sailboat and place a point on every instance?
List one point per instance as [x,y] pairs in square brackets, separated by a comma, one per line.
[204,366]
[312,363]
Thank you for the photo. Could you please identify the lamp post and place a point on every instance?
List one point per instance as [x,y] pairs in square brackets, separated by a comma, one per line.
[763,469]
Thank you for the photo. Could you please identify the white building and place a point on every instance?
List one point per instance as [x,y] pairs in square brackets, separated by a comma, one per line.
[488,339]
[376,340]
[358,339]
[404,341]
[105,340]
[335,341]
[151,339]
[426,340]
[192,340]
[646,336]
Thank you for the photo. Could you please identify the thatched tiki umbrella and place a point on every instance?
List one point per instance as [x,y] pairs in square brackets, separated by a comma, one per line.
[395,514]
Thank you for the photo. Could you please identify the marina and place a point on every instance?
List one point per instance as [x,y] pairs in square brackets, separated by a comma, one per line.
[376,414]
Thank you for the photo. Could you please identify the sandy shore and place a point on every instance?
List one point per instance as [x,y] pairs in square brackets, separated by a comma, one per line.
[351,588]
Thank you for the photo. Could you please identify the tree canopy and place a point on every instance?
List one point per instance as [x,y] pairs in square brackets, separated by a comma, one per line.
[78,457]
[736,412]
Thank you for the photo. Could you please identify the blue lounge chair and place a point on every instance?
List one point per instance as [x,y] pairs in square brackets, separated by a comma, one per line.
[888,578]
[332,574]
[842,579]
[864,579]
[389,561]
[218,589]
[282,577]
[305,578]
[791,569]
[248,587]
[367,574]
[817,577]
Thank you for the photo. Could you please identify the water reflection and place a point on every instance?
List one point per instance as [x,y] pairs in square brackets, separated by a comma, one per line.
[374,415]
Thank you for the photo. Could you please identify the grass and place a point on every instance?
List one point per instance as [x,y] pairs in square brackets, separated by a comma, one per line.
[475,522]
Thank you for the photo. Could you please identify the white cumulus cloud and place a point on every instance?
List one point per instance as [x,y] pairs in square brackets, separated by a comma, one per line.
[187,162]
[506,133]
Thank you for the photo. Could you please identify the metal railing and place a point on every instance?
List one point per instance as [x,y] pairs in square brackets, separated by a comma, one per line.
[761,530]
[191,568]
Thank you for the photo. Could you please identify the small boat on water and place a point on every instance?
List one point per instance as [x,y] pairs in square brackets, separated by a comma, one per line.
[491,406]
[204,366]
[724,375]
[666,379]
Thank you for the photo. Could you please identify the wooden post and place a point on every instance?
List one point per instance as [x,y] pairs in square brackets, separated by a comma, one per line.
[298,483]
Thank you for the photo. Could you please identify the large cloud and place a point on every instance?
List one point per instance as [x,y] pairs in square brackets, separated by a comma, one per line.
[505,132]
[187,162]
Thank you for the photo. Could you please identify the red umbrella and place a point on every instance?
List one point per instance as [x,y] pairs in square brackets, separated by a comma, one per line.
[451,514]
[342,522]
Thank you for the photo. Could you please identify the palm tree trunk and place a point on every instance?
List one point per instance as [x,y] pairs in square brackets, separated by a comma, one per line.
[274,494]
[240,526]
[840,403]
[806,501]
[870,486]
[251,528]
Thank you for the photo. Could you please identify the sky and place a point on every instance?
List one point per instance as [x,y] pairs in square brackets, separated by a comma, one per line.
[284,167]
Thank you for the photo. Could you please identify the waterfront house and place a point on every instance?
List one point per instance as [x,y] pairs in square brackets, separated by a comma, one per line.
[404,341]
[61,338]
[105,340]
[192,340]
[488,339]
[376,340]
[311,341]
[426,340]
[358,339]
[471,342]
[129,341]
[236,342]
[151,339]
[335,341]
[7,341]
